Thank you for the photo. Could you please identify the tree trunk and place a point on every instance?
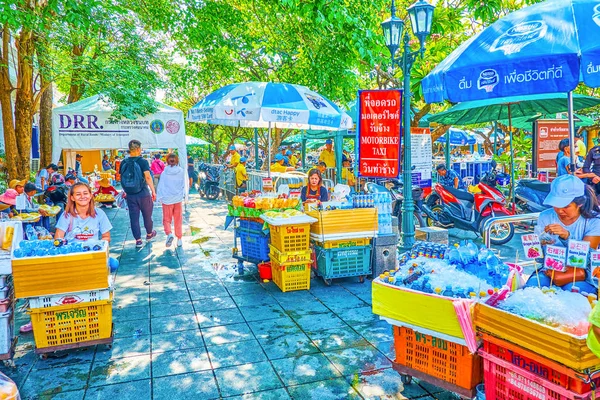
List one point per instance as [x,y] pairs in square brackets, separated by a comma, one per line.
[6,88]
[77,87]
[24,106]
[46,125]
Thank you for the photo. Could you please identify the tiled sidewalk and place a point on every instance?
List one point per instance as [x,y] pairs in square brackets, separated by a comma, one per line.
[187,328]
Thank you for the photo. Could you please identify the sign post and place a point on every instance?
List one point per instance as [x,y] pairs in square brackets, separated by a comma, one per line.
[379,121]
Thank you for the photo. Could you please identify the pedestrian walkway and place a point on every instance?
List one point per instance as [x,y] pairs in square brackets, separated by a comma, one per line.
[187,327]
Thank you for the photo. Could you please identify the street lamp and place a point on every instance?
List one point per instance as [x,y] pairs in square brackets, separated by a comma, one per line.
[421,16]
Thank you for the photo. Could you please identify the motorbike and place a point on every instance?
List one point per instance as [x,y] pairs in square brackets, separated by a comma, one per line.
[457,208]
[395,187]
[209,180]
[530,195]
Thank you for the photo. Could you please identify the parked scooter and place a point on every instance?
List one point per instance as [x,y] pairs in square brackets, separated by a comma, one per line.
[209,180]
[395,187]
[463,210]
[530,195]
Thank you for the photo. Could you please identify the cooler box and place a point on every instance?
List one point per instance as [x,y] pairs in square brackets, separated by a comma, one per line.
[344,224]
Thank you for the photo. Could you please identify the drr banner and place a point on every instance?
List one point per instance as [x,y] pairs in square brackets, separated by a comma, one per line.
[379,121]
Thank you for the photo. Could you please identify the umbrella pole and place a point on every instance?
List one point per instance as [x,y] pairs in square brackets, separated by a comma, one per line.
[304,150]
[269,150]
[495,137]
[512,161]
[256,154]
[571,133]
[447,149]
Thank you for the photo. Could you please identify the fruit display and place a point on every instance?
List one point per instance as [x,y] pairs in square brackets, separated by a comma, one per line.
[27,217]
[284,214]
[104,198]
[51,210]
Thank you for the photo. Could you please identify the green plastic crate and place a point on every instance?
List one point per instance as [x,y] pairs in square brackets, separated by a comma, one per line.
[343,262]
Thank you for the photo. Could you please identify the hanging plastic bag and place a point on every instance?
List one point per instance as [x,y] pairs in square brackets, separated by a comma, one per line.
[8,389]
[120,200]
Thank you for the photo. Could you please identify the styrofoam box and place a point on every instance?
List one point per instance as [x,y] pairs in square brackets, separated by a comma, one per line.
[4,292]
[6,332]
[69,298]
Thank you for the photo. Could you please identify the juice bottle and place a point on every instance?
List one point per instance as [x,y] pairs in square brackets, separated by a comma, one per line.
[9,232]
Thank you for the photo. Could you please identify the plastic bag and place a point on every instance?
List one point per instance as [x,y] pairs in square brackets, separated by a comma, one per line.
[120,201]
[8,389]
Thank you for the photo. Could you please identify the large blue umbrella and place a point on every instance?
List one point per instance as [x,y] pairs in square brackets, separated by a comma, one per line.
[548,47]
[458,137]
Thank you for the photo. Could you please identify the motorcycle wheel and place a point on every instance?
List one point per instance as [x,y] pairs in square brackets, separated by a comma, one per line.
[418,219]
[438,210]
[500,233]
[212,192]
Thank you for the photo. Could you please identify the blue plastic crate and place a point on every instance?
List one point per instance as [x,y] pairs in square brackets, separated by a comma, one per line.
[343,262]
[255,245]
[252,225]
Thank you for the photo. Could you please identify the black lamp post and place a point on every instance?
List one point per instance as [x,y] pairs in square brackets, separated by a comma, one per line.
[421,16]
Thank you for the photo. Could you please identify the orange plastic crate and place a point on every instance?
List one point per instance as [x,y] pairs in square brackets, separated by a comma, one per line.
[450,362]
[289,238]
[538,365]
[290,277]
[69,324]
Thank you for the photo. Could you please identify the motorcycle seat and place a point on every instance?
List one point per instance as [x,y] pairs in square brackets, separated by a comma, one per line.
[536,185]
[460,194]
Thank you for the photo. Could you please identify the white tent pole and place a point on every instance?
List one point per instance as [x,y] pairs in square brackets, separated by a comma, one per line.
[269,149]
[571,132]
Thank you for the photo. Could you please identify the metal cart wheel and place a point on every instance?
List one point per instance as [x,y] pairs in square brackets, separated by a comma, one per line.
[327,281]
[406,379]
[109,346]
[43,356]
[361,278]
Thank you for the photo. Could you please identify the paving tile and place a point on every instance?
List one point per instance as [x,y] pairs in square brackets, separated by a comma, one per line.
[262,312]
[310,307]
[62,358]
[305,369]
[319,322]
[387,348]
[276,394]
[253,299]
[331,390]
[247,378]
[125,347]
[69,395]
[358,315]
[288,345]
[180,362]
[121,370]
[358,359]
[131,328]
[177,341]
[333,339]
[206,289]
[213,303]
[47,382]
[344,303]
[375,332]
[227,334]
[167,310]
[273,328]
[237,353]
[193,386]
[130,313]
[137,390]
[244,288]
[384,384]
[169,296]
[131,299]
[227,316]
[173,323]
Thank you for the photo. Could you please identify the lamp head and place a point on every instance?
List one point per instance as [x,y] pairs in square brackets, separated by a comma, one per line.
[421,17]
[392,31]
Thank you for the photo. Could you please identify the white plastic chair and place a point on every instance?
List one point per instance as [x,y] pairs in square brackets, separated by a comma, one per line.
[468,180]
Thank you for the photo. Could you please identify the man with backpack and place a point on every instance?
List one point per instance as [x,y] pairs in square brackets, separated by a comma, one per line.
[139,192]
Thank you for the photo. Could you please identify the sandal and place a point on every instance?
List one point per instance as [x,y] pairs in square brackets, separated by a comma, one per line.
[26,328]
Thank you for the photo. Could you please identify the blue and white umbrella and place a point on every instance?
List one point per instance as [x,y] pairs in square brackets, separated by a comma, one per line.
[548,47]
[267,104]
[458,137]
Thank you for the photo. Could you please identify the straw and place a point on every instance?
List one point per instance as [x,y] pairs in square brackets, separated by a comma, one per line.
[537,274]
[574,275]
[462,307]
[552,278]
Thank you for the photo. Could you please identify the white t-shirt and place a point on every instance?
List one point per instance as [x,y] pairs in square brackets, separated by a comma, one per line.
[38,179]
[80,230]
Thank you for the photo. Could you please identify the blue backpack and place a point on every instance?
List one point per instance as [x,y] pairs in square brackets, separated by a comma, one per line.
[132,178]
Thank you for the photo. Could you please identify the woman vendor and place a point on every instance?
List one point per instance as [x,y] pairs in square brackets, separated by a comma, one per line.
[314,191]
[573,216]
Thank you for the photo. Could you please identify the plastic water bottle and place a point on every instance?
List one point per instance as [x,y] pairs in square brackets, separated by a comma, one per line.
[427,288]
[460,293]
[448,292]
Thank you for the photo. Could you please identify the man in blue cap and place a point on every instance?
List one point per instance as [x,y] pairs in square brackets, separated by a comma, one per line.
[234,159]
[278,166]
[327,155]
[241,176]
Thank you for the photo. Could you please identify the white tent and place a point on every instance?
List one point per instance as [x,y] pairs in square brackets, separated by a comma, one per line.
[87,125]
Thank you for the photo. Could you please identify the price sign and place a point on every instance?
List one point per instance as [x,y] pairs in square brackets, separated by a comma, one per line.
[555,258]
[532,246]
[595,258]
[577,255]
[267,183]
[21,202]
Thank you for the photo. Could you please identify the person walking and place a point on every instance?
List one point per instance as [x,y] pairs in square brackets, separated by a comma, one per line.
[139,192]
[157,167]
[170,192]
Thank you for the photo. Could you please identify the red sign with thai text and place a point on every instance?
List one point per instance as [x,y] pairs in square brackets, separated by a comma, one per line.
[379,121]
[549,135]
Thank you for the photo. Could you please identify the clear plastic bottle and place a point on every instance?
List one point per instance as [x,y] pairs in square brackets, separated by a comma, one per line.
[448,292]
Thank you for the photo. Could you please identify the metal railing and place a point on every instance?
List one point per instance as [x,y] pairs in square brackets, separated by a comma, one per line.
[295,180]
[487,226]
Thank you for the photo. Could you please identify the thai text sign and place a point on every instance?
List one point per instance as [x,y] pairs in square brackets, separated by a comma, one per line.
[578,252]
[531,246]
[555,258]
[549,135]
[379,121]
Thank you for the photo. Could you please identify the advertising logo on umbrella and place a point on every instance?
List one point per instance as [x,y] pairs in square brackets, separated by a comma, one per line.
[488,79]
[245,98]
[316,101]
[596,16]
[519,36]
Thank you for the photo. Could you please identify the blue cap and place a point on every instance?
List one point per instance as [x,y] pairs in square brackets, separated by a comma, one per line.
[232,147]
[243,159]
[278,157]
[564,190]
[288,153]
[329,141]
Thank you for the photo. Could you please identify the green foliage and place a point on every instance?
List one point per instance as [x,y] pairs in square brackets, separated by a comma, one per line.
[522,149]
